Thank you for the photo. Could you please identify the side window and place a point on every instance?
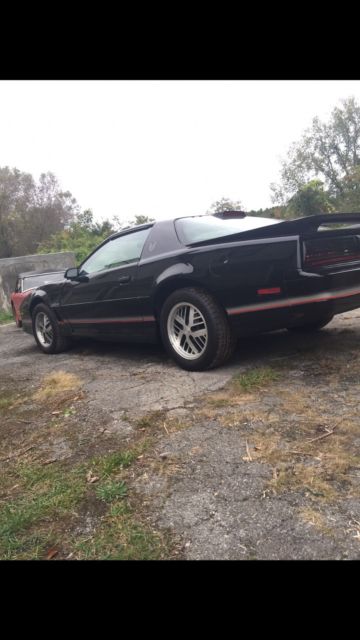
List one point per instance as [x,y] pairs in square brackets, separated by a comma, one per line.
[117,252]
[18,286]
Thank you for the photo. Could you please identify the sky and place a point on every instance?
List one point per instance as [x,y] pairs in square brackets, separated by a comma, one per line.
[160,148]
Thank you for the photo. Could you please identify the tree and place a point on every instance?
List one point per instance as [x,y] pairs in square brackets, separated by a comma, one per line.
[349,201]
[225,204]
[309,200]
[139,219]
[327,151]
[31,212]
[270,212]
[81,236]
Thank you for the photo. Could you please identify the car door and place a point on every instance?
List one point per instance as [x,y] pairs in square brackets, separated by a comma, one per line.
[105,299]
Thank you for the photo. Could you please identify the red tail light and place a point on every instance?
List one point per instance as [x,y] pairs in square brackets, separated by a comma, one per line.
[324,252]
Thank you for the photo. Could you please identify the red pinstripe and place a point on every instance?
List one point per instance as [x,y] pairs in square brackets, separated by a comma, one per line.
[293,302]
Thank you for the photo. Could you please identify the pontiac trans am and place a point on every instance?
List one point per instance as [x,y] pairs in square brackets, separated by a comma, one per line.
[198,282]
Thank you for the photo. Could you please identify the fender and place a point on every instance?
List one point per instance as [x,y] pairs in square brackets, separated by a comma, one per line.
[178,269]
[45,297]
[174,277]
[27,306]
[37,296]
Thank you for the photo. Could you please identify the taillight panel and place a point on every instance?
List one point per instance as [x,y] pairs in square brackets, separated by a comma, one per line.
[324,253]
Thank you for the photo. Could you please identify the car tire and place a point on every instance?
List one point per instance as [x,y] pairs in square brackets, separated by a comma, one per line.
[213,343]
[46,330]
[312,325]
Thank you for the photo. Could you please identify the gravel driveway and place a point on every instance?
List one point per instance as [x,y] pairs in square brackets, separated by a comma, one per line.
[241,467]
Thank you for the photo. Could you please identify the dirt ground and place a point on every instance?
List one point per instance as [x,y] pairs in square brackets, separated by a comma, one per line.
[259,459]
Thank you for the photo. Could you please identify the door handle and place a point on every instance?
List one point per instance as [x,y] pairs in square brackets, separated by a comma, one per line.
[124,279]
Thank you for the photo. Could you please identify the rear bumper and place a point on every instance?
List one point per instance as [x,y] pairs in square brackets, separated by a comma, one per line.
[271,314]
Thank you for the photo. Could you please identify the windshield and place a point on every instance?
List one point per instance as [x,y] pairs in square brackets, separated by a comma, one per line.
[202,228]
[35,281]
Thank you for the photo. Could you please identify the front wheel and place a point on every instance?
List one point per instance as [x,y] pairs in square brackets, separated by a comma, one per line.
[195,330]
[312,325]
[47,331]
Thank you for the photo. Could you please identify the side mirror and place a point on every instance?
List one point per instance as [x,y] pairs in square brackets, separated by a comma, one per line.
[72,273]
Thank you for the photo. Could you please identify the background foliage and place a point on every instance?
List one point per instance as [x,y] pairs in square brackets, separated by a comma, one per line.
[321,173]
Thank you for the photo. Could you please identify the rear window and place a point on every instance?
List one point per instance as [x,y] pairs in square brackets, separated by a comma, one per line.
[35,281]
[203,228]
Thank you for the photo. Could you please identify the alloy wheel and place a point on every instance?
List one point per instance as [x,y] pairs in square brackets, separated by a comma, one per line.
[187,330]
[44,329]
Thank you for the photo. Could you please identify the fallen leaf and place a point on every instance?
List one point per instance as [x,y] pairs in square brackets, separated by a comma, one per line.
[90,478]
[52,553]
[55,413]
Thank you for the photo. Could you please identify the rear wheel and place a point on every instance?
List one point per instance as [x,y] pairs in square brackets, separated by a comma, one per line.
[195,330]
[47,331]
[312,325]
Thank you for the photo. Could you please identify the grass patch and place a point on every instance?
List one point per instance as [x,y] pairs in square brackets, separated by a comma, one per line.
[315,519]
[219,401]
[255,378]
[41,507]
[10,398]
[160,422]
[320,468]
[43,495]
[122,537]
[305,478]
[5,317]
[241,389]
[151,421]
[6,402]
[174,424]
[121,534]
[114,464]
[27,547]
[56,384]
[111,490]
[105,466]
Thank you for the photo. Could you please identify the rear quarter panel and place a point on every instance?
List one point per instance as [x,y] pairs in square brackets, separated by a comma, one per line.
[232,272]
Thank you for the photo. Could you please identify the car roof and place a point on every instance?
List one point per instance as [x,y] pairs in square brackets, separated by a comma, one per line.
[249,220]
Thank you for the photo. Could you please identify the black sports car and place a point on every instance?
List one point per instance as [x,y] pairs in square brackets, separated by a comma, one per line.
[199,282]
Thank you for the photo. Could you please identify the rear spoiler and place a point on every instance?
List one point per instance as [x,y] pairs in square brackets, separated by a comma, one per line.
[311,224]
[308,224]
